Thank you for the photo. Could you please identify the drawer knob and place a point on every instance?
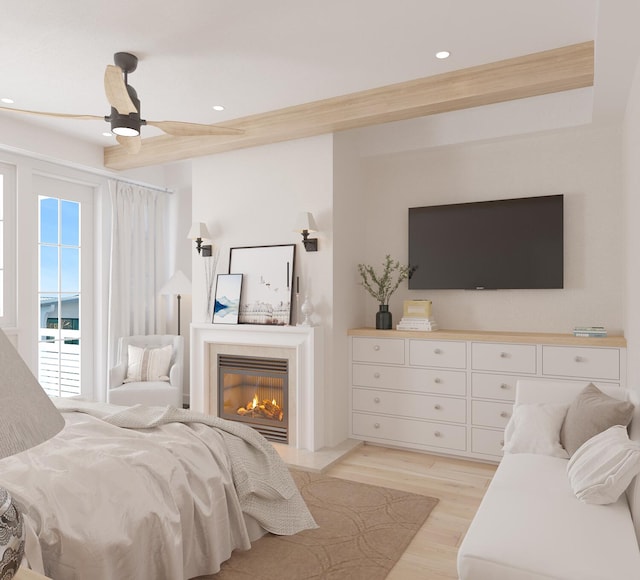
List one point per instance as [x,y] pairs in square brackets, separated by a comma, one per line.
[376,425]
[437,351]
[376,347]
[437,434]
[437,381]
[504,386]
[437,407]
[376,400]
[504,355]
[578,359]
[504,414]
[376,375]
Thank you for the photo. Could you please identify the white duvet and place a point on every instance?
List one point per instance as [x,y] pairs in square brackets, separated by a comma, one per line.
[167,498]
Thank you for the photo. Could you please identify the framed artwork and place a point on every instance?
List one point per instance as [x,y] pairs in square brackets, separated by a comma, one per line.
[267,283]
[226,305]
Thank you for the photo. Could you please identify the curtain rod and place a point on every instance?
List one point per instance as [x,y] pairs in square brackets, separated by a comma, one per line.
[84,168]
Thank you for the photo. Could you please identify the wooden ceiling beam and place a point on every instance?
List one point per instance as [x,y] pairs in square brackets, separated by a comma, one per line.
[561,69]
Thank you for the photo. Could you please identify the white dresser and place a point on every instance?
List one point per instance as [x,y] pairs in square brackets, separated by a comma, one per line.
[452,391]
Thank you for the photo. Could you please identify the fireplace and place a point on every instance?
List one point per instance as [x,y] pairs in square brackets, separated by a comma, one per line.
[254,390]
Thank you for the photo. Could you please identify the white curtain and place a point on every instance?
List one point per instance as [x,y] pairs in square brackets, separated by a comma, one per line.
[137,261]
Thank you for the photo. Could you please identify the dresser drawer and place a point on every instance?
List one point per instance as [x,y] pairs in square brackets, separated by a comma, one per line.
[378,350]
[410,405]
[491,414]
[568,361]
[396,430]
[487,442]
[488,386]
[438,353]
[438,382]
[507,358]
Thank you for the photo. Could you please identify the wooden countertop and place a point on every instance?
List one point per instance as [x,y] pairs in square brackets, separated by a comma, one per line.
[496,336]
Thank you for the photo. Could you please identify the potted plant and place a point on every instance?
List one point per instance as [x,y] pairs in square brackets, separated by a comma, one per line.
[382,286]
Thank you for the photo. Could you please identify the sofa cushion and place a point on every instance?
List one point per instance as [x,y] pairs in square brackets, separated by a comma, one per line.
[590,413]
[535,428]
[531,526]
[603,467]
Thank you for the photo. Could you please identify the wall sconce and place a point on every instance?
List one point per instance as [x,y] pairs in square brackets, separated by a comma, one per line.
[198,232]
[305,224]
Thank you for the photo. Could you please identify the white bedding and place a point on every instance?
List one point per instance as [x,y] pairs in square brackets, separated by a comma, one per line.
[154,503]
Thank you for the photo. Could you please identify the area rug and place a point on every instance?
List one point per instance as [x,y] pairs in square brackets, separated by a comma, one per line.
[363,531]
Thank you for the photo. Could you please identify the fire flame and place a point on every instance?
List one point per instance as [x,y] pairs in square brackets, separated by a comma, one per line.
[255,401]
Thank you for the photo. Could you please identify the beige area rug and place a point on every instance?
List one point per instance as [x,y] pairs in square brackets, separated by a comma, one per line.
[363,531]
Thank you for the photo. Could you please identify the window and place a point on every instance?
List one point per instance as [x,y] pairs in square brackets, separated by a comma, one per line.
[7,245]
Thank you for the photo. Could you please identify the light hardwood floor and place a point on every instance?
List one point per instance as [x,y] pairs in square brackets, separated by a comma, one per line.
[459,485]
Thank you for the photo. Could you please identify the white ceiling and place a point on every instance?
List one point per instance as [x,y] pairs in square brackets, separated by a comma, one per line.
[254,56]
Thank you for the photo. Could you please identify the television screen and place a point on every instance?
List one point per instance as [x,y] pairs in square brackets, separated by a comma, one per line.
[503,244]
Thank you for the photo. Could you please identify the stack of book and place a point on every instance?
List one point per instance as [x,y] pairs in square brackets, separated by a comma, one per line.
[413,323]
[589,331]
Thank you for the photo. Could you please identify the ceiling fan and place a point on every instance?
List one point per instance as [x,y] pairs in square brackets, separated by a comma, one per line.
[125,117]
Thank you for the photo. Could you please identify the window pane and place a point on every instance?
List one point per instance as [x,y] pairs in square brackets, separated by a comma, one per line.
[48,220]
[70,270]
[70,223]
[48,269]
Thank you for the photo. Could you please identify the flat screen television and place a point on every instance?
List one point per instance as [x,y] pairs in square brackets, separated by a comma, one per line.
[502,244]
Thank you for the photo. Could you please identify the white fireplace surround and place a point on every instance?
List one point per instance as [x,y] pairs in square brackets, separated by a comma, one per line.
[306,402]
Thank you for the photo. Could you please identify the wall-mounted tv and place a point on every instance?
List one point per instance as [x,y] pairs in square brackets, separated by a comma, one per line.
[502,244]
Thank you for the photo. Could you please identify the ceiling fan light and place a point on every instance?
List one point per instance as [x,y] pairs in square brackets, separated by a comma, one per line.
[125,131]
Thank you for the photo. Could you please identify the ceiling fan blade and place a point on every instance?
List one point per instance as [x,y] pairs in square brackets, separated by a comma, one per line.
[116,91]
[179,129]
[59,115]
[131,144]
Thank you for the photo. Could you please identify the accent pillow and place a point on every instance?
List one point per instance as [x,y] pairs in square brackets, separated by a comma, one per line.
[535,428]
[148,364]
[590,413]
[603,467]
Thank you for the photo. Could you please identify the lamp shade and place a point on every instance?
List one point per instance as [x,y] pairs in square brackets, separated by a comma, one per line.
[27,415]
[305,221]
[177,284]
[198,230]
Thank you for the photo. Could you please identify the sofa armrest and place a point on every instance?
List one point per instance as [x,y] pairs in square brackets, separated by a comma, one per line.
[117,375]
[175,376]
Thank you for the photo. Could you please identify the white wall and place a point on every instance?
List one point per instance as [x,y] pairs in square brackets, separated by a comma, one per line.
[631,173]
[582,163]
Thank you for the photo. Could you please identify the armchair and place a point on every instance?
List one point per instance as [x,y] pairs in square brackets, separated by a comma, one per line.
[123,391]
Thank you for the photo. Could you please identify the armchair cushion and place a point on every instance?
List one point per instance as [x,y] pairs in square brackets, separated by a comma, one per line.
[148,364]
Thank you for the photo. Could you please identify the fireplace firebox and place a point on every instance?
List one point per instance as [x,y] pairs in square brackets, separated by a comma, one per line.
[254,390]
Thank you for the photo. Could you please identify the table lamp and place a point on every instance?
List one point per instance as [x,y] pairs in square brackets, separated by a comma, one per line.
[27,418]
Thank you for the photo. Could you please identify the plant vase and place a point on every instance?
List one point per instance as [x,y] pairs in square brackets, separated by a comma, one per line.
[383,318]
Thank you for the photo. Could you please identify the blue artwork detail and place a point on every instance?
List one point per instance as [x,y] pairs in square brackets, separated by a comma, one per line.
[224,306]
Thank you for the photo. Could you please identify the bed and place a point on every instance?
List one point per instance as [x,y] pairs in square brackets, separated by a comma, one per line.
[148,493]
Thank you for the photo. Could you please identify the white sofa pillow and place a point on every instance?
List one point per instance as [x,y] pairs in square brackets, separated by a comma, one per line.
[535,428]
[602,468]
[148,364]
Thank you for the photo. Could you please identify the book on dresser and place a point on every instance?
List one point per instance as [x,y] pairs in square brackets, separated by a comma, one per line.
[587,331]
[417,323]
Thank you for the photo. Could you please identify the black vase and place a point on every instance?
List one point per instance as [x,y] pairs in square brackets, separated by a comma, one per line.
[383,318]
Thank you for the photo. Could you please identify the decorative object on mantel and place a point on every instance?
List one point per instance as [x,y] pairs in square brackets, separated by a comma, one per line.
[199,232]
[382,286]
[177,285]
[305,225]
[27,418]
[267,283]
[227,301]
[307,310]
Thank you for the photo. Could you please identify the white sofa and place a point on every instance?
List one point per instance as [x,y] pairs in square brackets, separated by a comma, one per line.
[531,526]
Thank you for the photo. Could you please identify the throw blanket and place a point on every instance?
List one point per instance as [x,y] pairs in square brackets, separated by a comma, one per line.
[263,483]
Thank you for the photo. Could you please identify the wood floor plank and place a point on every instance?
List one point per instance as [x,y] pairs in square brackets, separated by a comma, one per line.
[459,484]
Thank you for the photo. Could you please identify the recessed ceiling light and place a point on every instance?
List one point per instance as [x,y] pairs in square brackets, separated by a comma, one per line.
[218,108]
[443,54]
[7,100]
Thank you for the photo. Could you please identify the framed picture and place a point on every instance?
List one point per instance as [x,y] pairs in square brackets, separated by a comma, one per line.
[267,284]
[226,305]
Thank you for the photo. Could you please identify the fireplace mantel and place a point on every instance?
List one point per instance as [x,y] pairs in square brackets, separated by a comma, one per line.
[308,344]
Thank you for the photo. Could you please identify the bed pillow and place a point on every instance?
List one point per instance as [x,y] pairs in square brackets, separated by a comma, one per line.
[590,413]
[603,467]
[535,428]
[148,364]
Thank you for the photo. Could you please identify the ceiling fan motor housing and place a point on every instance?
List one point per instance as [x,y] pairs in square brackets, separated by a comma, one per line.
[127,125]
